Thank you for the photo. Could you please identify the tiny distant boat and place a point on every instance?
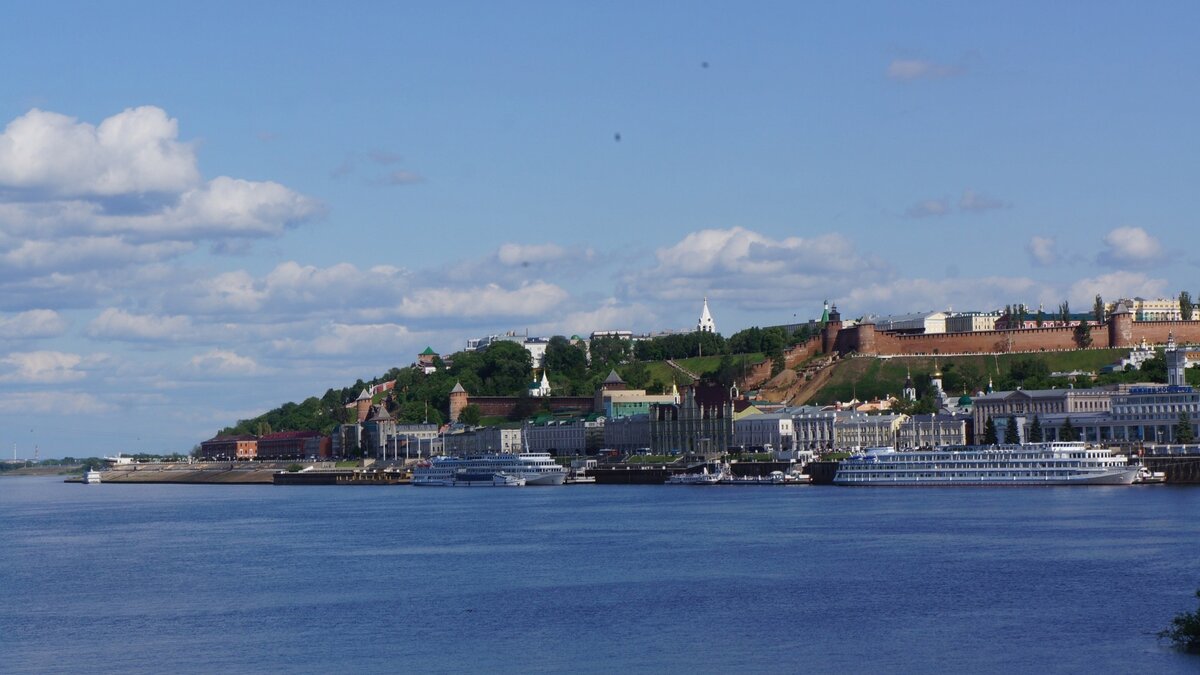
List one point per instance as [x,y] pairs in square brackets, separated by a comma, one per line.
[92,477]
[705,477]
[1147,477]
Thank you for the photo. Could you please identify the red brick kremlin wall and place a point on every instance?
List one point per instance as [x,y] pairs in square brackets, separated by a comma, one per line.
[503,406]
[1119,331]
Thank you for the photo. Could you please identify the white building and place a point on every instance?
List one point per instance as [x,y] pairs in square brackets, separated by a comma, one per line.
[482,440]
[932,431]
[970,322]
[918,323]
[536,346]
[867,431]
[758,431]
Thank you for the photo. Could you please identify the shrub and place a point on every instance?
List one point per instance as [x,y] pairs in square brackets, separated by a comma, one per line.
[1184,632]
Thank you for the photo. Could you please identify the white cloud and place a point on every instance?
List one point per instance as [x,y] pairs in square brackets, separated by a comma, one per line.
[40,367]
[1119,284]
[530,299]
[906,70]
[1131,246]
[135,151]
[35,323]
[341,339]
[54,402]
[225,362]
[49,256]
[977,203]
[527,254]
[1042,250]
[927,208]
[117,324]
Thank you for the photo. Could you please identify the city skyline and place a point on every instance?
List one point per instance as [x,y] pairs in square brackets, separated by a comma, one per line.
[207,211]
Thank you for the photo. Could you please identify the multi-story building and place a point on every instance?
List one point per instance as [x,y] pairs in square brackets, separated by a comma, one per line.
[286,445]
[813,427]
[755,432]
[536,346]
[627,434]
[1161,309]
[482,440]
[376,430]
[701,423]
[1001,405]
[413,440]
[969,322]
[229,448]
[560,438]
[932,431]
[867,431]
[917,323]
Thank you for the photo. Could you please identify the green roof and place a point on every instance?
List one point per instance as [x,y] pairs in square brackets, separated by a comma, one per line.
[429,352]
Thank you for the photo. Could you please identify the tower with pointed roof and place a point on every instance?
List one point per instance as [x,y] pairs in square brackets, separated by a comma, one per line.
[706,324]
[363,405]
[458,400]
[910,389]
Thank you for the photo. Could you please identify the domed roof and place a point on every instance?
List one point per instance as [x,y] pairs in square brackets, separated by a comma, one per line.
[964,400]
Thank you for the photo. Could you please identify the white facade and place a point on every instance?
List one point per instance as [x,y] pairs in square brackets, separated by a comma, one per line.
[920,322]
[706,323]
[867,431]
[932,431]
[969,322]
[758,431]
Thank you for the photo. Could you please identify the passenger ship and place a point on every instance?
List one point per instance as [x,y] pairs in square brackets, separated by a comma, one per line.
[536,468]
[1055,463]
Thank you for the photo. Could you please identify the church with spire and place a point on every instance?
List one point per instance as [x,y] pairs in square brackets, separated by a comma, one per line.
[706,324]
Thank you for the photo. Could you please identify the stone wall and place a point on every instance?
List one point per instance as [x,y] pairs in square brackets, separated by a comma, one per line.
[1119,332]
[503,406]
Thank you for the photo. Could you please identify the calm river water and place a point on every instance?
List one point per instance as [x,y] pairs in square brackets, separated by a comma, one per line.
[195,578]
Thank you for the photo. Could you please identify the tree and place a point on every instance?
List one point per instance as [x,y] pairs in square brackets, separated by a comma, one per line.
[1184,632]
[1083,335]
[1035,430]
[1068,432]
[636,375]
[1098,309]
[1185,305]
[609,352]
[1012,435]
[470,415]
[564,359]
[1183,429]
[1040,318]
[1064,313]
[989,432]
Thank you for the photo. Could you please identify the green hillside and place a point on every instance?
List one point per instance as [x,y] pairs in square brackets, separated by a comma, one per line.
[867,378]
[661,371]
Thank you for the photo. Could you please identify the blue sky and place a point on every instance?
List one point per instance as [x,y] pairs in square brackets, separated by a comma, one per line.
[208,210]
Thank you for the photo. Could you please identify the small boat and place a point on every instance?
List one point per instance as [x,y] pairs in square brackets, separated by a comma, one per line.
[1147,477]
[702,478]
[91,477]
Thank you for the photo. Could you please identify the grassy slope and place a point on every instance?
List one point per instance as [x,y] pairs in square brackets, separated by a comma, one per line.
[659,370]
[869,378]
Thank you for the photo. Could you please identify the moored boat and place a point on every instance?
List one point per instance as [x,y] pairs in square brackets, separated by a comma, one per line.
[91,477]
[1054,463]
[535,468]
[1147,477]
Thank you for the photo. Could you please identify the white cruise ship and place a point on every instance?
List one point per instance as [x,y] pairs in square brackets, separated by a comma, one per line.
[1055,463]
[536,468]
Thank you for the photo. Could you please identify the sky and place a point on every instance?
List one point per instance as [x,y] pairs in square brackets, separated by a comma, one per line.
[210,209]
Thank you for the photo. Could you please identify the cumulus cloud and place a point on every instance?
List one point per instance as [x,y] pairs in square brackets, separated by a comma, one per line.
[134,151]
[1119,284]
[975,202]
[35,323]
[529,299]
[928,208]
[1042,250]
[906,70]
[897,296]
[1130,246]
[74,196]
[225,362]
[40,367]
[117,324]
